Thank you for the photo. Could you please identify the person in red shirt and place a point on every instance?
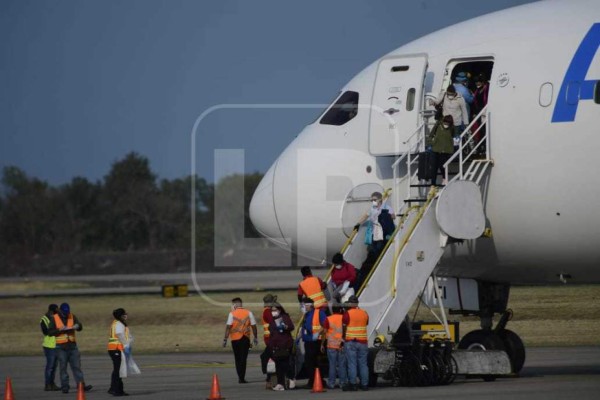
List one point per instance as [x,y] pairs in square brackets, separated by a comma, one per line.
[267,320]
[343,276]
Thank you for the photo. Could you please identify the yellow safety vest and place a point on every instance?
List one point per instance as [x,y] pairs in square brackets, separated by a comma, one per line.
[49,341]
[113,340]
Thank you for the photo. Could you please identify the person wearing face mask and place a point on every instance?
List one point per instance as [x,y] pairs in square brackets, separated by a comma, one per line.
[442,146]
[239,324]
[281,342]
[267,320]
[343,276]
[454,105]
[374,235]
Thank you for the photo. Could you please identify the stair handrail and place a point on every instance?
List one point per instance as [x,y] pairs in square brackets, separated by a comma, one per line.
[412,149]
[466,132]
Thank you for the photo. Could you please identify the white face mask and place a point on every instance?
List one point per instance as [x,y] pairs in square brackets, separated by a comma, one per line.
[446,126]
[275,314]
[375,203]
[338,267]
[451,96]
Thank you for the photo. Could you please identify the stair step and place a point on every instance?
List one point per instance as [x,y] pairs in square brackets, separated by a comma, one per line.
[415,200]
[425,185]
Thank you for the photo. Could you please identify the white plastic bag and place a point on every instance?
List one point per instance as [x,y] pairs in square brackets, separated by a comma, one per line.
[270,366]
[349,292]
[128,366]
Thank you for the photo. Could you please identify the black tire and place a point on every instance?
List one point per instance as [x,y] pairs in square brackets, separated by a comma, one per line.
[482,340]
[514,348]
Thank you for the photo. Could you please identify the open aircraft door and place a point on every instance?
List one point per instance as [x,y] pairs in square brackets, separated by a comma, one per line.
[397,100]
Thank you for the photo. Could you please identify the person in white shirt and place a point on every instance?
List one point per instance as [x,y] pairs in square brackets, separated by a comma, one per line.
[119,345]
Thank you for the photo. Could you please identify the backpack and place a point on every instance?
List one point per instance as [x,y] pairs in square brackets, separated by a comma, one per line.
[387,224]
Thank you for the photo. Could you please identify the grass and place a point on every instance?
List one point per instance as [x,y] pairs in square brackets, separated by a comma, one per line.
[13,287]
[544,316]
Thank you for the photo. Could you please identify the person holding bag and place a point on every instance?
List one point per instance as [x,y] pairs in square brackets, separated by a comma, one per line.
[281,343]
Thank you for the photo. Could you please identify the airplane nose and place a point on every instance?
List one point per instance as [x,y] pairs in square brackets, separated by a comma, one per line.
[262,210]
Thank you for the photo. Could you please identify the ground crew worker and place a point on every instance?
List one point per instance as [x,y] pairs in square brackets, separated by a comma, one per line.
[354,325]
[49,346]
[63,326]
[239,323]
[335,348]
[267,318]
[312,287]
[311,336]
[119,342]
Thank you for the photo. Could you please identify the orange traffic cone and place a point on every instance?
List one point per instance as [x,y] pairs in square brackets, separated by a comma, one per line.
[8,392]
[80,391]
[215,390]
[318,383]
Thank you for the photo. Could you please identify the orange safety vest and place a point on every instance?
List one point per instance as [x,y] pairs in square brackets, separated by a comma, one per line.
[312,288]
[357,326]
[334,333]
[113,340]
[241,324]
[266,332]
[64,337]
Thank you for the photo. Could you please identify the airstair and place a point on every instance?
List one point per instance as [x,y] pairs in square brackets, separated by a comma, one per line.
[428,218]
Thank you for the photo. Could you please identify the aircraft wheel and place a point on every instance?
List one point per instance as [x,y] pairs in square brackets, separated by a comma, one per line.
[482,340]
[514,348]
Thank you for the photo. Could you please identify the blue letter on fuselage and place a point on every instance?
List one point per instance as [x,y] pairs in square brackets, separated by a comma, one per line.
[574,82]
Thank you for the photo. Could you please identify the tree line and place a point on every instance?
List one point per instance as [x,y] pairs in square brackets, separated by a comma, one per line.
[130,209]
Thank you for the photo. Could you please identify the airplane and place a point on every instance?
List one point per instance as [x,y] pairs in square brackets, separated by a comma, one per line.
[519,209]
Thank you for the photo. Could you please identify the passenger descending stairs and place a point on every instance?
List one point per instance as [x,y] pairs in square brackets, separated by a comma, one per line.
[426,223]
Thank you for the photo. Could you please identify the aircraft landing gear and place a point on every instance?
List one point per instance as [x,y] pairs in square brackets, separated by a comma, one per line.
[498,338]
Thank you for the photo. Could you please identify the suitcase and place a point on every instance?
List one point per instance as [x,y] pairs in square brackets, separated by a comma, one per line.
[426,165]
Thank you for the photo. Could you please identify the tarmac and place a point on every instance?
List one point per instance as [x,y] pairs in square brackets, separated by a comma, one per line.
[549,373]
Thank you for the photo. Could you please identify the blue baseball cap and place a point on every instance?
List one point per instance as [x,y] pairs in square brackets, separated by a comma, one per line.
[64,308]
[461,77]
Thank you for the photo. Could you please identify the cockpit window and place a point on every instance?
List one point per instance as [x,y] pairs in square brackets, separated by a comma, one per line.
[344,109]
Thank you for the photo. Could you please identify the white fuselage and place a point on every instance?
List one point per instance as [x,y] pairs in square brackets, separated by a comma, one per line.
[541,196]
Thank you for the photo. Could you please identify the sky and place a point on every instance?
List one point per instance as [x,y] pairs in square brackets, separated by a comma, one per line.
[83,83]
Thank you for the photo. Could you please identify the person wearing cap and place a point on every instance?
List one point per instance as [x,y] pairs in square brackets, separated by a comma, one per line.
[267,319]
[375,236]
[343,276]
[442,146]
[49,346]
[314,318]
[461,83]
[312,287]
[240,322]
[119,344]
[455,105]
[354,332]
[63,326]
[332,327]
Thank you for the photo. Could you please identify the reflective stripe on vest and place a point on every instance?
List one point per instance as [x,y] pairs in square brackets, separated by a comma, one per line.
[266,332]
[113,340]
[334,333]
[312,288]
[49,341]
[241,324]
[357,326]
[64,337]
[316,325]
